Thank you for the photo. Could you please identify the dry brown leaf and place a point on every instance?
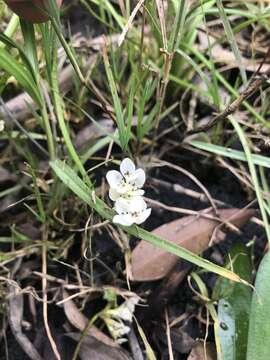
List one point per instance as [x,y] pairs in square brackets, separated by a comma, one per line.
[92,349]
[191,232]
[225,56]
[5,175]
[79,321]
[15,317]
[201,352]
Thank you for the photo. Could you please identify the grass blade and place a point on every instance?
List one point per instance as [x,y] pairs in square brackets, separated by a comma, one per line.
[231,39]
[230,153]
[124,135]
[21,74]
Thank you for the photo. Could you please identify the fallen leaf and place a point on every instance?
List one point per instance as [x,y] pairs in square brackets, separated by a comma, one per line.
[15,317]
[226,56]
[5,175]
[190,232]
[79,321]
[91,348]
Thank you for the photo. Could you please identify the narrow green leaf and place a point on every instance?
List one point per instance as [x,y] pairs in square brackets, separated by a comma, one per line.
[10,43]
[253,173]
[124,135]
[232,41]
[230,153]
[149,351]
[28,32]
[23,76]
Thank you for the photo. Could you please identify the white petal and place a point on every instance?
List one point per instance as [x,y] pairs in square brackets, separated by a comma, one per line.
[127,168]
[137,204]
[142,216]
[122,206]
[130,205]
[114,178]
[124,313]
[128,219]
[123,220]
[117,327]
[138,192]
[131,302]
[114,194]
[139,178]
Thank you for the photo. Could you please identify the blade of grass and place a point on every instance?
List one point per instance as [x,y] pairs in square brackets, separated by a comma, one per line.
[129,22]
[224,82]
[149,351]
[124,135]
[230,153]
[253,173]
[12,26]
[21,74]
[232,41]
[58,104]
[30,49]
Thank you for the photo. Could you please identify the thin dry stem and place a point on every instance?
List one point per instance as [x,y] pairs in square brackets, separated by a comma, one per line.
[45,297]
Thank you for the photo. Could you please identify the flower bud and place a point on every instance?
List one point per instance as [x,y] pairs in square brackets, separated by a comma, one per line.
[30,10]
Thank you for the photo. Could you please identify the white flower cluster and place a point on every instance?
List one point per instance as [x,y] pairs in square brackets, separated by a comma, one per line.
[126,191]
[116,319]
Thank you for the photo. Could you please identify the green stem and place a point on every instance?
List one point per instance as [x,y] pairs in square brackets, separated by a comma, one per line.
[68,51]
[28,32]
[253,174]
[48,130]
[57,101]
[84,334]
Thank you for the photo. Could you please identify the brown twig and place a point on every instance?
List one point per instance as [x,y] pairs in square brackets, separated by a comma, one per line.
[192,178]
[254,84]
[45,297]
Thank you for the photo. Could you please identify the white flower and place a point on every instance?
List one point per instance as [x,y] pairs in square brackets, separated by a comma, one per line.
[126,310]
[131,211]
[117,329]
[126,183]
[115,318]
[2,125]
[126,190]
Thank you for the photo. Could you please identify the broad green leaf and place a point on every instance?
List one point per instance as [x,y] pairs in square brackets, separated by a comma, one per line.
[234,307]
[71,179]
[259,325]
[226,330]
